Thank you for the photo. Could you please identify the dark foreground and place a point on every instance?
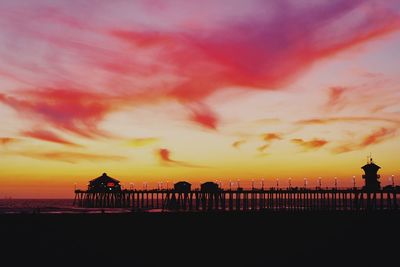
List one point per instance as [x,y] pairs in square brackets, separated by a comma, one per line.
[201,239]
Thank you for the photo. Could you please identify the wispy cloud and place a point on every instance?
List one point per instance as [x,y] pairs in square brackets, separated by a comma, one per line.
[8,140]
[238,143]
[263,148]
[49,137]
[164,156]
[346,119]
[203,116]
[170,60]
[269,137]
[310,144]
[141,142]
[378,136]
[64,109]
[69,157]
[335,97]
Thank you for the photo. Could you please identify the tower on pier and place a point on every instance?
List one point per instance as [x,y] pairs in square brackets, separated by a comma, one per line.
[371,175]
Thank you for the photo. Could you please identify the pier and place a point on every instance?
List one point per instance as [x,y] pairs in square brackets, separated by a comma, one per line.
[106,192]
[329,199]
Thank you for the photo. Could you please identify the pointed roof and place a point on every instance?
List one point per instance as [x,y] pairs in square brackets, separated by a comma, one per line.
[104,178]
[370,165]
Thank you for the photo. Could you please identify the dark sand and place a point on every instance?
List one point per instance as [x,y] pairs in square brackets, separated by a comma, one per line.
[201,239]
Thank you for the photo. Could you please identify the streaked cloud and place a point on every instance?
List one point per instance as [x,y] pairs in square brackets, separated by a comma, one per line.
[69,157]
[141,142]
[238,143]
[310,144]
[48,136]
[8,140]
[164,156]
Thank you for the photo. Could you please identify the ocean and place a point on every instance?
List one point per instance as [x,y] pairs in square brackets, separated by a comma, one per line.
[49,206]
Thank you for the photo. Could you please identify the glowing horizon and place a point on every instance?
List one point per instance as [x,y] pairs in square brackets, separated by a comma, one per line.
[149,91]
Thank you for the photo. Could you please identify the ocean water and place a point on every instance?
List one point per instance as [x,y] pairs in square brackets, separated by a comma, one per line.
[49,206]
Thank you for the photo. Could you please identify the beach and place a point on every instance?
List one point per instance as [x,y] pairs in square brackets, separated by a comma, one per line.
[201,239]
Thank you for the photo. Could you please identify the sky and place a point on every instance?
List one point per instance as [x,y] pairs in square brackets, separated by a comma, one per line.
[163,91]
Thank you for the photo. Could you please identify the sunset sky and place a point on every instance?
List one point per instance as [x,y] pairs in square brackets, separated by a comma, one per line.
[152,91]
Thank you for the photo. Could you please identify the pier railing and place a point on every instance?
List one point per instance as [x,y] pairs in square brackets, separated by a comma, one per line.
[290,199]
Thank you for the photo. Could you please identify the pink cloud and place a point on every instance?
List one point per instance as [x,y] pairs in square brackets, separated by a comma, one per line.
[65,109]
[48,136]
[179,61]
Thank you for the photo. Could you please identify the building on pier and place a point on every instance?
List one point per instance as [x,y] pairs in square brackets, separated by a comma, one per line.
[182,187]
[209,187]
[104,183]
[371,177]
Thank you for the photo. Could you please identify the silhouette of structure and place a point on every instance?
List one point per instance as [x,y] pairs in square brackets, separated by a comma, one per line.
[210,197]
[104,183]
[182,187]
[371,177]
[209,187]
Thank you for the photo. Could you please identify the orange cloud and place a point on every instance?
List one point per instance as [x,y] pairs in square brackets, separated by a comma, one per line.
[263,148]
[346,119]
[309,145]
[238,143]
[378,136]
[48,136]
[7,140]
[271,137]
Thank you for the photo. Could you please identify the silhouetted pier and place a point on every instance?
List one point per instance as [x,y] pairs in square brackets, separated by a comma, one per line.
[106,192]
[294,199]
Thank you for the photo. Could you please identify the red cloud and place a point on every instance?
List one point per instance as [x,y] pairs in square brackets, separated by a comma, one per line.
[48,136]
[312,144]
[204,117]
[65,109]
[165,158]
